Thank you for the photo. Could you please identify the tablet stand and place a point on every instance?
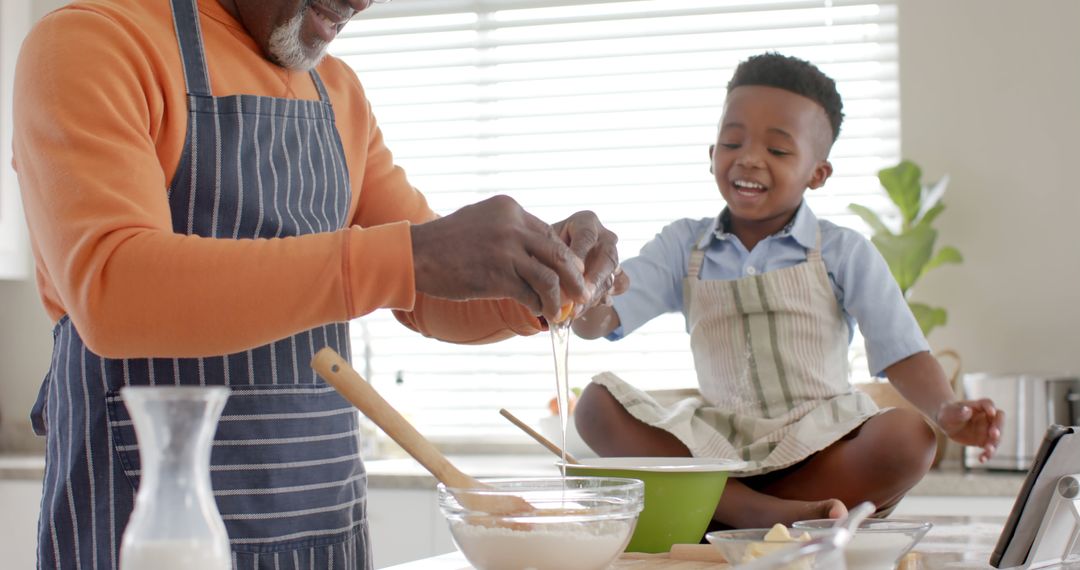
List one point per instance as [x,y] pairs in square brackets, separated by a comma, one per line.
[1058,539]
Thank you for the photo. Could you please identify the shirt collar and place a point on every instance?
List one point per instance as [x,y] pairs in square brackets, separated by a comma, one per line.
[803,228]
[215,10]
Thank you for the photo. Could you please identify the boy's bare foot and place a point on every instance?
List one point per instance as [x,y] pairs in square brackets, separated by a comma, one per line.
[827,509]
[743,507]
[788,511]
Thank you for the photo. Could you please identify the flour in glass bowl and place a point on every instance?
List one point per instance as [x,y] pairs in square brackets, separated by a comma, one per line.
[875,551]
[565,546]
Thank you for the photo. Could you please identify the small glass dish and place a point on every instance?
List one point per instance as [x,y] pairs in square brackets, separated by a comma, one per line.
[576,523]
[747,546]
[878,544]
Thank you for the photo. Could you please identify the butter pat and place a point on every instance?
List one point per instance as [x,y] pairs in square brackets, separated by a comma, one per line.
[777,538]
[779,533]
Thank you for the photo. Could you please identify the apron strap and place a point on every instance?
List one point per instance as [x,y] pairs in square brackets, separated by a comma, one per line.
[814,254]
[193,58]
[321,88]
[697,258]
[693,270]
[189,37]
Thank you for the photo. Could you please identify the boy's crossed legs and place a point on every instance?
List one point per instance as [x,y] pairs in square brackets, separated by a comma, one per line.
[878,462]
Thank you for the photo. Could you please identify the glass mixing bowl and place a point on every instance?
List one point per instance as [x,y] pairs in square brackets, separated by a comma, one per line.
[878,544]
[575,523]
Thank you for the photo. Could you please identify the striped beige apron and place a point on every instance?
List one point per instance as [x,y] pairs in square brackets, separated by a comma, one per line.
[771,357]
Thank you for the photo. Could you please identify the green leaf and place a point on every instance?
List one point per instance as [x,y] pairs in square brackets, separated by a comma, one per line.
[947,254]
[932,195]
[902,182]
[907,253]
[928,317]
[870,218]
[910,251]
[931,214]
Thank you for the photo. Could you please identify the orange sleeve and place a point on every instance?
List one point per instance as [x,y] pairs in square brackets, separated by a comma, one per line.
[472,322]
[94,194]
[100,117]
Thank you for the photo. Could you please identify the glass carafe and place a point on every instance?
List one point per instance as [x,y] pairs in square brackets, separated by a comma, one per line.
[176,523]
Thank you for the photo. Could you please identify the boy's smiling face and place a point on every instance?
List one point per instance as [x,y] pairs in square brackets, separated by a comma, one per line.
[773,144]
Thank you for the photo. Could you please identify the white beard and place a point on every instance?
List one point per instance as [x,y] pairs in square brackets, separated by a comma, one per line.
[287,49]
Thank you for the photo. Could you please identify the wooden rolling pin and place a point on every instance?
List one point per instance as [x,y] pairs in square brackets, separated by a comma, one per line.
[690,552]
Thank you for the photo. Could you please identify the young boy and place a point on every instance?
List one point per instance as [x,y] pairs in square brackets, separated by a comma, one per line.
[770,294]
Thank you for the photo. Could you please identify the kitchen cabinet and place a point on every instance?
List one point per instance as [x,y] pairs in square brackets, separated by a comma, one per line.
[406,525]
[20,501]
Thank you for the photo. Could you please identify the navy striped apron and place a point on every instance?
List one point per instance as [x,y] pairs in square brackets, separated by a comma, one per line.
[285,465]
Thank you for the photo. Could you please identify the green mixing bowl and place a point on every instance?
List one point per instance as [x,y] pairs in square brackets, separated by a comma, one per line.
[680,495]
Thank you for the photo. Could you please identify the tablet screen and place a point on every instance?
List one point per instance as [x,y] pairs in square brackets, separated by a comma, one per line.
[1058,455]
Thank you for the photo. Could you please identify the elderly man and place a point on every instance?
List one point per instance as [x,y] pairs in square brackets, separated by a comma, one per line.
[210,201]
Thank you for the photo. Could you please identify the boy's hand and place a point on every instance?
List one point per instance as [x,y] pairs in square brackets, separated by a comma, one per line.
[973,422]
[600,319]
[616,284]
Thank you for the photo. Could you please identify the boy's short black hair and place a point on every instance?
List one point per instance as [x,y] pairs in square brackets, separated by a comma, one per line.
[792,74]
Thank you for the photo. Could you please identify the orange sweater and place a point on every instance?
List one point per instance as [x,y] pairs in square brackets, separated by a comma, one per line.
[100,120]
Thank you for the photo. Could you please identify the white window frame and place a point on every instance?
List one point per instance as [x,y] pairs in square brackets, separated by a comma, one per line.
[15,20]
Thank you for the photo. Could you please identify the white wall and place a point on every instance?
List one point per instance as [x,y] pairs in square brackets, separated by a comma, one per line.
[25,340]
[990,94]
[25,345]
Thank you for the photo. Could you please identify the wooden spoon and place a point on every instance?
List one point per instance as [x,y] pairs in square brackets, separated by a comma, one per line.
[538,437]
[338,373]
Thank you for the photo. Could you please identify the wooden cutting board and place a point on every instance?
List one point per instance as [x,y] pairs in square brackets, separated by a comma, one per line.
[676,560]
[659,563]
[637,561]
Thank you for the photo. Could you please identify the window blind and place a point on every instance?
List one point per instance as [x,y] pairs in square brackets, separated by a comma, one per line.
[604,105]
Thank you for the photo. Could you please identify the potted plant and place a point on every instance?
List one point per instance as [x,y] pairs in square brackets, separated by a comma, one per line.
[909,250]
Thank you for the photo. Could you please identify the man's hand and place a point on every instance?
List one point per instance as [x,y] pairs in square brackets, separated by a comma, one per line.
[595,244]
[973,422]
[495,249]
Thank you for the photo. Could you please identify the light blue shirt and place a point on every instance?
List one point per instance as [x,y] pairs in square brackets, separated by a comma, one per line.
[865,290]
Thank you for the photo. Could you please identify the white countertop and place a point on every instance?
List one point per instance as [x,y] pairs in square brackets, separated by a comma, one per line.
[406,473]
[22,466]
[453,561]
[955,542]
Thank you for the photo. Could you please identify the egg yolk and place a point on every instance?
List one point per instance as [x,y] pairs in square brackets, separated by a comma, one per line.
[564,312]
